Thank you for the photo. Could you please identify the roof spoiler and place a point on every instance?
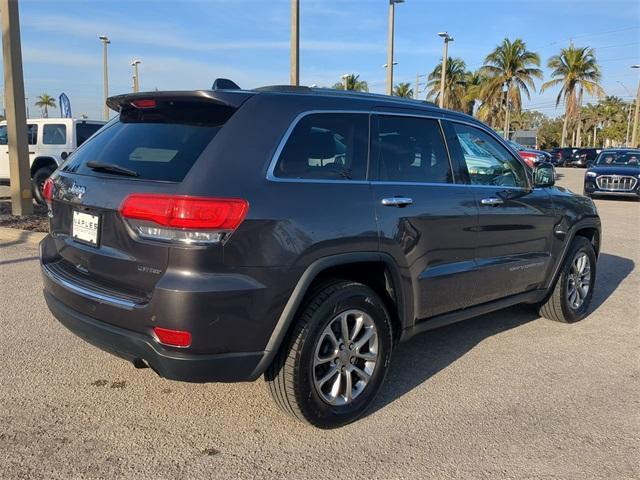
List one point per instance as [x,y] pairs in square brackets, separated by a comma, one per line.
[226,98]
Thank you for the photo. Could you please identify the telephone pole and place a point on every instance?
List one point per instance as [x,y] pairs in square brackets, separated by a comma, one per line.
[634,135]
[392,10]
[105,72]
[21,199]
[295,42]
[136,76]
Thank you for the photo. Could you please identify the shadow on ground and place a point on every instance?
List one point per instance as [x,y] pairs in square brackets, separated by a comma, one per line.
[425,355]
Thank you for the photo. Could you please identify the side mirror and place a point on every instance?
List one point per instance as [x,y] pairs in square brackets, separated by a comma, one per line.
[544,175]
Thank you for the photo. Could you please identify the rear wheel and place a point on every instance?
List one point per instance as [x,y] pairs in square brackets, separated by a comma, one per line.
[336,358]
[571,296]
[37,183]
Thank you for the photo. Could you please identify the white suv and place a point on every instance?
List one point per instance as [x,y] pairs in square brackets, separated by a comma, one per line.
[51,140]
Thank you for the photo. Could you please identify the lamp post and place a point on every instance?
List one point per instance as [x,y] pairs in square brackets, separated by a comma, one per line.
[295,42]
[105,41]
[445,55]
[392,8]
[136,76]
[626,138]
[634,135]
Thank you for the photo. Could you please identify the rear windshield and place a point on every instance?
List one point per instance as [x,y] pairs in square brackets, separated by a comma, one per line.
[160,143]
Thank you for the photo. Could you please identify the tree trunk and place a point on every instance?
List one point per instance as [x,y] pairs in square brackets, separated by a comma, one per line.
[563,142]
[595,132]
[579,120]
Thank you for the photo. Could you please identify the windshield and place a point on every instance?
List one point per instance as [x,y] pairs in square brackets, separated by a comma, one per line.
[619,159]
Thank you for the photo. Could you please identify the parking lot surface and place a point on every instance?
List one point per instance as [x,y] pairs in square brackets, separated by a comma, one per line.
[505,395]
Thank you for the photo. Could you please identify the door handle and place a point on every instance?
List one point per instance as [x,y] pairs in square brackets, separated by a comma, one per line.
[492,201]
[397,201]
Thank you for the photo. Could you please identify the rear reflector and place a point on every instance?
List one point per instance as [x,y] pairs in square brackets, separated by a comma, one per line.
[173,338]
[182,218]
[47,190]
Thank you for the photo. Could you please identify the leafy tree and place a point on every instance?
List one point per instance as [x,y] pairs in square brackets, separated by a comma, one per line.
[352,82]
[455,82]
[513,68]
[575,70]
[403,90]
[45,102]
[550,133]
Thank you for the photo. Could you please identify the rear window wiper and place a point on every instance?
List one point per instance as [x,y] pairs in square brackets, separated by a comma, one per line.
[111,168]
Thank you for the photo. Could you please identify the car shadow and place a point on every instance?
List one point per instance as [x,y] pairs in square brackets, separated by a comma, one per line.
[417,360]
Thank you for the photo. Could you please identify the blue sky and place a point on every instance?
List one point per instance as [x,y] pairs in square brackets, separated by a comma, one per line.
[187,44]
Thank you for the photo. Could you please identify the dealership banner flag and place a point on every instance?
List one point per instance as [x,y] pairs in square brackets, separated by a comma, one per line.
[65,105]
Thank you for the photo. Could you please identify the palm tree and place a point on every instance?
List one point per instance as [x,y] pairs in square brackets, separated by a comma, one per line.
[44,102]
[510,68]
[403,90]
[352,82]
[591,114]
[473,86]
[454,85]
[574,70]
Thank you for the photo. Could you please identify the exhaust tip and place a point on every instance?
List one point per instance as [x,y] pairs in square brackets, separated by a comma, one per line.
[140,363]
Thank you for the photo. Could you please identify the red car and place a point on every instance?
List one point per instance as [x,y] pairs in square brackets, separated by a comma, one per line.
[530,156]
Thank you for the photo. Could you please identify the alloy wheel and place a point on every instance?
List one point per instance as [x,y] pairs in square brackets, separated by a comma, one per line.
[578,280]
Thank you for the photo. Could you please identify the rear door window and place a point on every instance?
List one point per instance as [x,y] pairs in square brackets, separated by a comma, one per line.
[160,143]
[32,134]
[410,149]
[326,146]
[54,134]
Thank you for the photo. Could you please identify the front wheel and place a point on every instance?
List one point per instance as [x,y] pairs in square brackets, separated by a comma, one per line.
[37,183]
[569,301]
[332,365]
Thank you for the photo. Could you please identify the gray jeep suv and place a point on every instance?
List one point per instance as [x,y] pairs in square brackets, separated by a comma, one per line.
[301,234]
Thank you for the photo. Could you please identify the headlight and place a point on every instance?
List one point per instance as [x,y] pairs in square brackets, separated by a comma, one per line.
[592,174]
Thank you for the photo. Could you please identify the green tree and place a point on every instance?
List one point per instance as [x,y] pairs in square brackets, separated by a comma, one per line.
[473,86]
[510,68]
[455,82]
[550,133]
[45,102]
[352,82]
[403,90]
[575,70]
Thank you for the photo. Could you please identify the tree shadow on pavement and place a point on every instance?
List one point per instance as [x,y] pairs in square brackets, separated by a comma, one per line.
[417,360]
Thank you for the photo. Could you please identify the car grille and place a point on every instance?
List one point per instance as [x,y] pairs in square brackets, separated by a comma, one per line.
[616,183]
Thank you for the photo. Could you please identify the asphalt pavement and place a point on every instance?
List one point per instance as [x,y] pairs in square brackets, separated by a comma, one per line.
[505,395]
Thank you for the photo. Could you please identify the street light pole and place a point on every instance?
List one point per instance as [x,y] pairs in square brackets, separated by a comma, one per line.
[295,42]
[634,135]
[19,176]
[136,76]
[105,41]
[392,9]
[626,138]
[445,56]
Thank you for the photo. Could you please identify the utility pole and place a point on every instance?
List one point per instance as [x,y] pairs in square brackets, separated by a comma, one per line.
[21,199]
[507,114]
[136,76]
[445,55]
[417,87]
[105,41]
[392,10]
[295,42]
[634,135]
[626,138]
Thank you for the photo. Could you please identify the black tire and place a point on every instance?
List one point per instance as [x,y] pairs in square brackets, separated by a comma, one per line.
[290,377]
[37,183]
[558,307]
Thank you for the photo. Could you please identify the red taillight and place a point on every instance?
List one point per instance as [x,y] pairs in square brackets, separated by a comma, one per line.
[144,103]
[173,338]
[185,219]
[47,190]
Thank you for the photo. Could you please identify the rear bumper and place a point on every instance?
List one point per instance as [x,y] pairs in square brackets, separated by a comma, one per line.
[133,346]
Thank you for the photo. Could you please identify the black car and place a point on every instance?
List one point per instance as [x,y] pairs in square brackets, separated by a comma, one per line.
[561,156]
[615,172]
[584,157]
[301,234]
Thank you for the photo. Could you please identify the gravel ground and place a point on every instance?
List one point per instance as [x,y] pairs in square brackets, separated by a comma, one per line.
[506,395]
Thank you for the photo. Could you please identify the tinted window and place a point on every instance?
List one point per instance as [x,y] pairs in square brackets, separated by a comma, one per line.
[330,146]
[159,143]
[32,134]
[54,134]
[487,162]
[619,159]
[410,149]
[84,131]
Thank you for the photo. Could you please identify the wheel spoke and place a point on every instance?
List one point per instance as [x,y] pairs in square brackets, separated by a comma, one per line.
[335,388]
[344,328]
[348,386]
[328,376]
[357,327]
[367,356]
[368,335]
[361,373]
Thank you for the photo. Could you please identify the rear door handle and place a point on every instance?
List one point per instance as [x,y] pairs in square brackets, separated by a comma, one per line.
[397,201]
[492,201]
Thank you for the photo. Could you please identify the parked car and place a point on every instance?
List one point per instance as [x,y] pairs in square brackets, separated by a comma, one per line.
[301,234]
[561,156]
[584,157]
[615,172]
[50,140]
[530,156]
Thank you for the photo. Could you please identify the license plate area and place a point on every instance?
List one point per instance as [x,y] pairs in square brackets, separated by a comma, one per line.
[85,228]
